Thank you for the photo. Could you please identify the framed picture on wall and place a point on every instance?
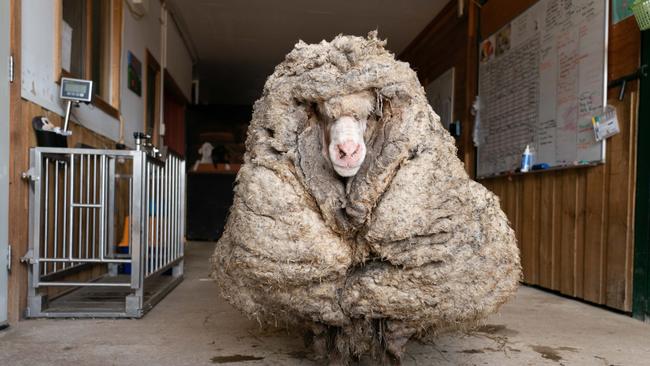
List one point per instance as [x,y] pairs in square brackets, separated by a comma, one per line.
[134,74]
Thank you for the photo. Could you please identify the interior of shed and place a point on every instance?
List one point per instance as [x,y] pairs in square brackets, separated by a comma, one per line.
[186,75]
[575,227]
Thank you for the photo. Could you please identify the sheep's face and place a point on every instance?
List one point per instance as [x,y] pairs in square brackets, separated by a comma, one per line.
[346,121]
[346,149]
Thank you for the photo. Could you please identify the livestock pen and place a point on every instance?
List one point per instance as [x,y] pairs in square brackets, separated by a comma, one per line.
[106,231]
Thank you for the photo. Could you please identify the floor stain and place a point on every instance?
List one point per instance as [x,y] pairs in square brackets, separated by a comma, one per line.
[235,358]
[496,329]
[551,353]
[486,349]
[472,351]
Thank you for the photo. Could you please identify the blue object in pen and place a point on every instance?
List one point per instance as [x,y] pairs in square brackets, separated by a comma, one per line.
[541,166]
[526,160]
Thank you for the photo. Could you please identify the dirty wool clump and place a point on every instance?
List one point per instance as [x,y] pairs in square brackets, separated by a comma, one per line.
[407,247]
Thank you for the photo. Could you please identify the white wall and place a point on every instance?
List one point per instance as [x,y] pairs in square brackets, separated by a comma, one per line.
[138,36]
[179,62]
[38,69]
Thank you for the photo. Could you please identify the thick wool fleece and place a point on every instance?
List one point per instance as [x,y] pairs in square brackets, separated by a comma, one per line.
[409,246]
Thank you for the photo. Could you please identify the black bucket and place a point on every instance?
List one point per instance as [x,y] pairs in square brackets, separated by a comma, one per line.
[47,138]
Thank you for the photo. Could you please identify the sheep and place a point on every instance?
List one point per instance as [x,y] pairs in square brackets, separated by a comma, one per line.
[353,219]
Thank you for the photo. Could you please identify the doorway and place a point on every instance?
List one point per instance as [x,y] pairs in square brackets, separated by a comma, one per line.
[152,99]
[641,306]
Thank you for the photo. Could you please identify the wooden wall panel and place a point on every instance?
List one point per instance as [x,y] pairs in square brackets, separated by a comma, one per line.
[18,272]
[574,227]
[546,238]
[594,233]
[529,206]
[22,138]
[584,221]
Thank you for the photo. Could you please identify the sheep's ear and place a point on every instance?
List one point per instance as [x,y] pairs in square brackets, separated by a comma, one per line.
[379,104]
[324,132]
[317,118]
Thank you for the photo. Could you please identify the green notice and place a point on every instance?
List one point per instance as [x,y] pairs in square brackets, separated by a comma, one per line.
[621,10]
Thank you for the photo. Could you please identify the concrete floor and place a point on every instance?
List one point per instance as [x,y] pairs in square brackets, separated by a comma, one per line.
[193,326]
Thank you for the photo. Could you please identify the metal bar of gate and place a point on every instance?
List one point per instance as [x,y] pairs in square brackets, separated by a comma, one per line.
[71,205]
[86,284]
[183,195]
[84,260]
[165,213]
[94,232]
[175,205]
[35,215]
[102,209]
[46,217]
[147,221]
[110,208]
[81,210]
[139,168]
[156,236]
[87,209]
[65,214]
[56,209]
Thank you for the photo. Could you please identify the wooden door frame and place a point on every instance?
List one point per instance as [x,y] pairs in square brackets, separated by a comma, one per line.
[171,89]
[17,284]
[641,292]
[150,61]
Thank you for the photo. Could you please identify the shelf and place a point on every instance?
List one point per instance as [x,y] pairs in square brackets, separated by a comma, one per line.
[218,168]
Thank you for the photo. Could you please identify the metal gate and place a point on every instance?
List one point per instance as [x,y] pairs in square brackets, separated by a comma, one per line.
[106,231]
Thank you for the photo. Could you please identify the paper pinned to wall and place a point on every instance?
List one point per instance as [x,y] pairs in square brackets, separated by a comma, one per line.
[542,77]
[66,45]
[440,94]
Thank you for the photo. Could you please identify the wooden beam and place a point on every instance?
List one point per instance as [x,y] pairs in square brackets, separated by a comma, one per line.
[88,42]
[117,27]
[170,84]
[58,18]
[17,296]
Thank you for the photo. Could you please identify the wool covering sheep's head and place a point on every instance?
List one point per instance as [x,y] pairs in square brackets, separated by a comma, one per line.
[403,246]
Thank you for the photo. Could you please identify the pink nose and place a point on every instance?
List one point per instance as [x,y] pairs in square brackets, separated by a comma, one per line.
[348,152]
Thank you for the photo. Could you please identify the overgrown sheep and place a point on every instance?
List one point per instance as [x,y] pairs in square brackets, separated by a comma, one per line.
[353,218]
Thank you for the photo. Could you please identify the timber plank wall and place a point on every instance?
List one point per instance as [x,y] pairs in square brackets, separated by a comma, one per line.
[575,227]
[22,139]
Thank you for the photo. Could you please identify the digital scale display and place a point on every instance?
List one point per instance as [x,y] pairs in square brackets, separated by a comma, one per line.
[76,89]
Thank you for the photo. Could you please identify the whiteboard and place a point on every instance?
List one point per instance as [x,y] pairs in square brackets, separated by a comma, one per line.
[440,94]
[541,79]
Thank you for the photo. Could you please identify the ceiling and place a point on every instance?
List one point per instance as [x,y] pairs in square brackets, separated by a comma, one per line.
[237,43]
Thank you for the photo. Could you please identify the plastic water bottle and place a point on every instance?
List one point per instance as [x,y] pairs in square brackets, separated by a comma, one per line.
[526,160]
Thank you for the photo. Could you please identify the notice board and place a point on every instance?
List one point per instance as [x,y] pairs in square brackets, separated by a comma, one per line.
[542,77]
